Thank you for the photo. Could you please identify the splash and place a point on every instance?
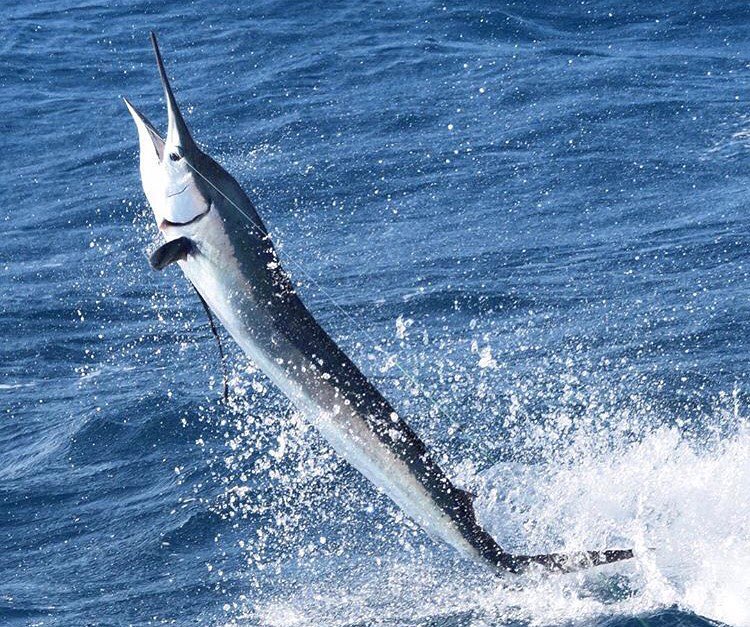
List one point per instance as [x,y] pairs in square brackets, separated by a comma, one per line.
[681,502]
[683,506]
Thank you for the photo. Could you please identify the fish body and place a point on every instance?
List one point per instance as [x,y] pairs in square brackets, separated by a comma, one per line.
[214,233]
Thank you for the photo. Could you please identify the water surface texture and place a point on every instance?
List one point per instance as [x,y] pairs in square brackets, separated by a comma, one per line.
[527,224]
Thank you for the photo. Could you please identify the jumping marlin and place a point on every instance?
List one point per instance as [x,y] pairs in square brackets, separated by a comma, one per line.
[216,236]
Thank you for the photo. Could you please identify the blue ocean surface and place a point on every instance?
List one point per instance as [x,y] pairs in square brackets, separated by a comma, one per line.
[526,222]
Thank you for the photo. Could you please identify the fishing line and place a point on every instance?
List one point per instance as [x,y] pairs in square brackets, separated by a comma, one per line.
[435,404]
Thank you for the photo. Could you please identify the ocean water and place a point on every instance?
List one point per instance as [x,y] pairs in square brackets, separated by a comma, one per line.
[540,213]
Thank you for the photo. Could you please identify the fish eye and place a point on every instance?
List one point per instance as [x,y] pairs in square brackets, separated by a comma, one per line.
[174,156]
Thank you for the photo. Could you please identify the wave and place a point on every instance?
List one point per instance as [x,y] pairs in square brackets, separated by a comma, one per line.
[682,505]
[679,500]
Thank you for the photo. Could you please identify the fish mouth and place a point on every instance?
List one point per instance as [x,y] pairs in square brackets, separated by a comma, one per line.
[167,223]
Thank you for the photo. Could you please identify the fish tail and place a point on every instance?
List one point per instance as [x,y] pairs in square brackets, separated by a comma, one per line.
[490,551]
[562,562]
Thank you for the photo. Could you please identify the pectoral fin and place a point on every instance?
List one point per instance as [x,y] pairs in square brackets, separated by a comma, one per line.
[175,250]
